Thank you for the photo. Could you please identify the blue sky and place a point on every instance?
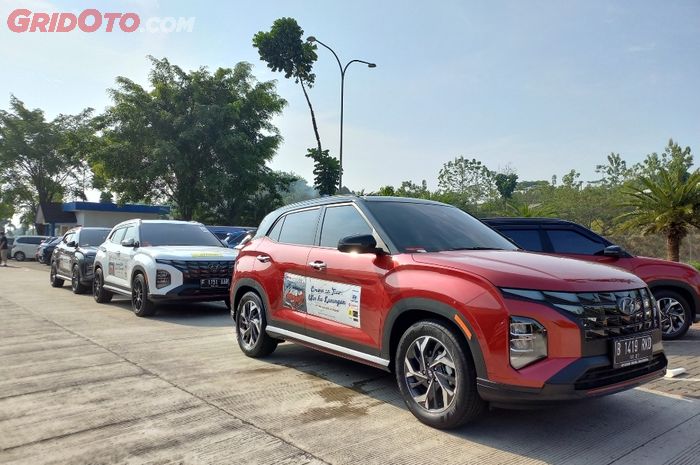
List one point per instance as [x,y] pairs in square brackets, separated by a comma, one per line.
[542,86]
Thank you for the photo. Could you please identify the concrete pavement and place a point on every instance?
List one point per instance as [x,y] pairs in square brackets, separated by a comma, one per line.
[88,383]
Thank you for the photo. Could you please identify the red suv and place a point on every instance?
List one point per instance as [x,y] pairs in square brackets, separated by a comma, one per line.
[459,314]
[676,286]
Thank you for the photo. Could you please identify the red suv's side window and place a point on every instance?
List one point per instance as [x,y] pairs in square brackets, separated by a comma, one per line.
[568,241]
[299,228]
[340,222]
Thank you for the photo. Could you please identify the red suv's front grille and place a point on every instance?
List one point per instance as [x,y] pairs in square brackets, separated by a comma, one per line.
[600,314]
[607,314]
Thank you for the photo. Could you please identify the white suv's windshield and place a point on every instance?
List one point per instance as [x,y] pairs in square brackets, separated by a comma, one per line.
[424,227]
[155,234]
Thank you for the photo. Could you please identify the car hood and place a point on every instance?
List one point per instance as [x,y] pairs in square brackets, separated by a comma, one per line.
[87,249]
[183,252]
[643,261]
[526,270]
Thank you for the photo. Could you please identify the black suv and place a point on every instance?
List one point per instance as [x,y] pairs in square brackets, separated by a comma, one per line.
[73,258]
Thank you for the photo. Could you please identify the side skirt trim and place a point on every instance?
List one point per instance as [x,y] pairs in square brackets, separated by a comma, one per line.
[283,333]
[116,290]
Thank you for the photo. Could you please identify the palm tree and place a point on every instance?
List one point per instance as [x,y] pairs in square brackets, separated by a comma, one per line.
[529,210]
[666,202]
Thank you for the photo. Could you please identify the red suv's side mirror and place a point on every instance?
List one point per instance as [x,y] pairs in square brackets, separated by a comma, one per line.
[613,251]
[363,243]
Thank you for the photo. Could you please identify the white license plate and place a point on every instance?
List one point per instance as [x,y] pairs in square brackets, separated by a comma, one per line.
[209,283]
[632,350]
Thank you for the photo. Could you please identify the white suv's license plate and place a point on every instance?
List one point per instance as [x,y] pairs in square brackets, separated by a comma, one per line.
[632,350]
[210,283]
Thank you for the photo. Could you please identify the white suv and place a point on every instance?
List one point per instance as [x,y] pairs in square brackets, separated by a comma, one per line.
[25,247]
[157,260]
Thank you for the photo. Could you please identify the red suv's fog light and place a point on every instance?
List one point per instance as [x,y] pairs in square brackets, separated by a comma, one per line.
[528,341]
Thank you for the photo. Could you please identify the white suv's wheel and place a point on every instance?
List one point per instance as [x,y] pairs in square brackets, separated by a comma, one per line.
[139,297]
[99,293]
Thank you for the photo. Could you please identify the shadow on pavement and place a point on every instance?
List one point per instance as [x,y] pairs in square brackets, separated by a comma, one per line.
[606,427]
[207,314]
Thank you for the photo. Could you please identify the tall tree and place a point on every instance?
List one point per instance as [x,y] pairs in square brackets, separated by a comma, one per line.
[666,199]
[42,161]
[674,156]
[467,181]
[506,184]
[198,140]
[284,49]
[615,172]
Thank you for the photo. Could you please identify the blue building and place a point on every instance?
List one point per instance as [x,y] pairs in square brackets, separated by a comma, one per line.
[57,218]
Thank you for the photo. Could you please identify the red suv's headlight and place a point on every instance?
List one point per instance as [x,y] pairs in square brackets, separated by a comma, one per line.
[527,341]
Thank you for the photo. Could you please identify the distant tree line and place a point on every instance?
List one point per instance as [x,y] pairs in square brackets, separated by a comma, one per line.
[659,196]
[200,141]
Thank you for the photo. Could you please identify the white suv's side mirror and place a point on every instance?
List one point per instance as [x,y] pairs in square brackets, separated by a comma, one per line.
[131,242]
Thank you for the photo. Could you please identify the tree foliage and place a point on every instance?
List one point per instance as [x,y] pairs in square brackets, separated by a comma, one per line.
[198,140]
[43,161]
[506,184]
[284,50]
[468,182]
[615,172]
[326,172]
[665,199]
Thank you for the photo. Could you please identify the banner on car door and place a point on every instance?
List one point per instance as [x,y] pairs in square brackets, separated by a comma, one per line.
[331,300]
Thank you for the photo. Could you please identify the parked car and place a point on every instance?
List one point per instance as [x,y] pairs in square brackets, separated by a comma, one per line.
[676,286]
[230,236]
[155,261]
[25,246]
[73,258]
[247,238]
[45,250]
[459,313]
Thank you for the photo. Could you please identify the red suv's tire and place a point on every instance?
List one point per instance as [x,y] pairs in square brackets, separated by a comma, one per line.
[250,327]
[437,379]
[676,315]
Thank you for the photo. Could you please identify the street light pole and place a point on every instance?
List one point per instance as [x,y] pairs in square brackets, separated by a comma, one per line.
[343,69]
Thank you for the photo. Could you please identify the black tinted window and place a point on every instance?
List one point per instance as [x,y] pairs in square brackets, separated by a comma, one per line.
[340,222]
[275,232]
[299,228]
[92,237]
[154,234]
[528,239]
[420,227]
[569,241]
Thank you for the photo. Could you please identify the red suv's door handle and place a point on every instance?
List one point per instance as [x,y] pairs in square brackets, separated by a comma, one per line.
[318,265]
[263,258]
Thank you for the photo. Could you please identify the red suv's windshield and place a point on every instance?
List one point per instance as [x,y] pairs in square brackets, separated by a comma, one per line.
[423,227]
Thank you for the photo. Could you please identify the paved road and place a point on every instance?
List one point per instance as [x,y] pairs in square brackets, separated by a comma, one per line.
[88,383]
